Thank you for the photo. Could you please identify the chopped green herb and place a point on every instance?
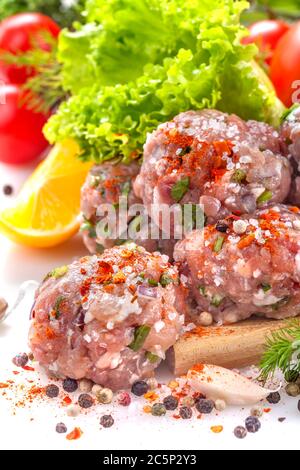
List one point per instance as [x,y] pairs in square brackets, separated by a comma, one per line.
[264,197]
[239,176]
[180,189]
[165,279]
[219,244]
[95,181]
[57,273]
[287,112]
[185,151]
[140,336]
[266,287]
[57,306]
[202,290]
[281,303]
[89,227]
[153,358]
[126,188]
[152,282]
[216,300]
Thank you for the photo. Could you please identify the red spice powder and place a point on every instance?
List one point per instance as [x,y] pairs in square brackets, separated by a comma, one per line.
[75,434]
[198,367]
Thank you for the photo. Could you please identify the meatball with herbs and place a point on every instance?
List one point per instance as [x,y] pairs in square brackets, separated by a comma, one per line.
[216,160]
[108,318]
[244,266]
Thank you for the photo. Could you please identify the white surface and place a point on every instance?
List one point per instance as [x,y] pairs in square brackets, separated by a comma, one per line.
[33,427]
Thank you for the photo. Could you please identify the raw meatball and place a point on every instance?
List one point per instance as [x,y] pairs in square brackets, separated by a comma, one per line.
[214,159]
[108,318]
[244,266]
[290,135]
[105,185]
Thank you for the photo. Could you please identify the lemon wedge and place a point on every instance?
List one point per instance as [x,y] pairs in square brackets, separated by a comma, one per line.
[46,211]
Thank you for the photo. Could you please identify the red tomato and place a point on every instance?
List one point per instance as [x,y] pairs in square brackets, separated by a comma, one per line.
[285,66]
[21,138]
[266,34]
[18,34]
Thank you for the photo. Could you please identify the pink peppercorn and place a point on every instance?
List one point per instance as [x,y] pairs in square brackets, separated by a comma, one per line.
[124,399]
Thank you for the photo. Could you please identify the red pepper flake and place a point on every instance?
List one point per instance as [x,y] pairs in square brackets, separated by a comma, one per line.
[267,410]
[198,367]
[151,396]
[217,429]
[66,401]
[176,416]
[246,241]
[147,409]
[28,368]
[3,385]
[75,434]
[16,372]
[83,271]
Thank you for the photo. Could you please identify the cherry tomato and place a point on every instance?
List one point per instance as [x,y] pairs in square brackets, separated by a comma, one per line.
[266,34]
[21,138]
[285,66]
[19,33]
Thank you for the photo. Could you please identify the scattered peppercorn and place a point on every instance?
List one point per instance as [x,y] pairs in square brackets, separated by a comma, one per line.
[205,319]
[107,421]
[292,390]
[52,391]
[104,396]
[70,385]
[20,360]
[257,411]
[291,376]
[220,405]
[188,401]
[252,424]
[139,388]
[158,409]
[204,406]
[170,402]
[281,420]
[96,388]
[185,412]
[85,400]
[274,398]
[221,226]
[61,428]
[8,190]
[85,385]
[124,399]
[240,432]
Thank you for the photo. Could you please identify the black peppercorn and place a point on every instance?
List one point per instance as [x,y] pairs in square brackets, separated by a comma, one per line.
[170,403]
[61,428]
[221,226]
[204,406]
[70,385]
[274,398]
[20,360]
[106,421]
[8,190]
[139,388]
[52,391]
[240,432]
[252,424]
[85,400]
[185,412]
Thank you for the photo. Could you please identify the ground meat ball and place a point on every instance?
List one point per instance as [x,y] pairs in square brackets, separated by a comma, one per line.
[87,315]
[290,136]
[105,184]
[253,268]
[219,160]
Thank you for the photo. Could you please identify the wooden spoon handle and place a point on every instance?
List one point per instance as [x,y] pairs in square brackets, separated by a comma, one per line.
[232,346]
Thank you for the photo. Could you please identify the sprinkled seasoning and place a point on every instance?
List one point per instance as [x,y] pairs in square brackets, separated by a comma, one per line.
[107,421]
[264,197]
[8,190]
[185,412]
[220,405]
[124,399]
[75,434]
[240,432]
[139,388]
[252,424]
[85,400]
[158,409]
[20,360]
[61,428]
[219,244]
[222,226]
[188,401]
[274,398]
[70,385]
[239,176]
[85,385]
[204,406]
[293,390]
[180,188]
[170,402]
[52,391]
[257,411]
[104,396]
[205,319]
[140,336]
[216,429]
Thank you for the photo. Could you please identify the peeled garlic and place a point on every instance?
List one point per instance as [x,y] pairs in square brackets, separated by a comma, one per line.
[218,383]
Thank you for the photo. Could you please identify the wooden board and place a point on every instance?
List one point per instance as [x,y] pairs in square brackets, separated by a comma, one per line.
[232,346]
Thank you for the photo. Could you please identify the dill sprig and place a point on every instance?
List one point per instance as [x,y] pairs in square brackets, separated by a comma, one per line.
[43,89]
[282,350]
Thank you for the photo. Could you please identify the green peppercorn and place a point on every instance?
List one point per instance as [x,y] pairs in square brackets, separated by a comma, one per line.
[158,409]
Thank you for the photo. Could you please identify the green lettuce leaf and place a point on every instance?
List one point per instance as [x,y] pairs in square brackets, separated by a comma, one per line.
[215,72]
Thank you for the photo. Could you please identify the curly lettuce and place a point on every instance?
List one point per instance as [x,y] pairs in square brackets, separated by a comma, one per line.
[215,71]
